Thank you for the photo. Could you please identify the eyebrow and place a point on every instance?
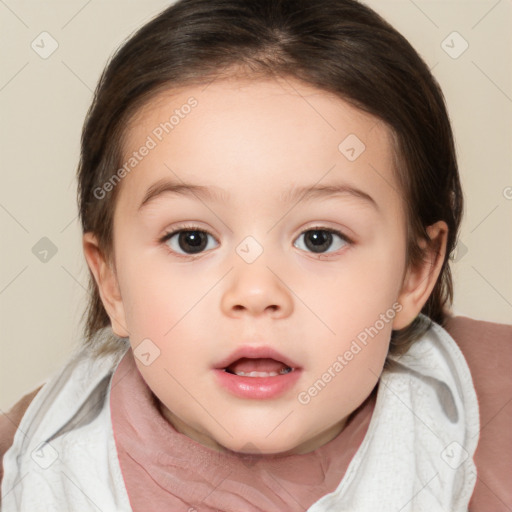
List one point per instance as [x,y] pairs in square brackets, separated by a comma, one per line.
[216,194]
[324,191]
[166,186]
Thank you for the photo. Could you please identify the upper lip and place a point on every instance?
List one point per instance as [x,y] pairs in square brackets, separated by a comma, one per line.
[255,352]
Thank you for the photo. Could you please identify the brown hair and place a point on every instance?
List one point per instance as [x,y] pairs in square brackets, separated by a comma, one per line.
[340,46]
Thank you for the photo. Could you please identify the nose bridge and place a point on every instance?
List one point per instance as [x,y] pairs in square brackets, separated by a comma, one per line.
[254,286]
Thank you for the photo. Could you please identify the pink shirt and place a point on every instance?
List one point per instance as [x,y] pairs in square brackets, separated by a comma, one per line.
[170,471]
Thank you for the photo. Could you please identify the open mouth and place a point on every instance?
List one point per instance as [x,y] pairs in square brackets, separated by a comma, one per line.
[258,367]
[257,373]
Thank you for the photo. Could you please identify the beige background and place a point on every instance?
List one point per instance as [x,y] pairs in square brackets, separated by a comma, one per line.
[43,103]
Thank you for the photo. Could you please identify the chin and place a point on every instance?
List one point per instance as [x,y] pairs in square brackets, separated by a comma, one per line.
[275,439]
[261,445]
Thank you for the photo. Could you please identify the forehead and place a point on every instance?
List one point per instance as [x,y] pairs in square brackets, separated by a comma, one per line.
[248,136]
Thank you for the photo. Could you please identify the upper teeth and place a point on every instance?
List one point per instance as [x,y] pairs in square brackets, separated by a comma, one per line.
[264,374]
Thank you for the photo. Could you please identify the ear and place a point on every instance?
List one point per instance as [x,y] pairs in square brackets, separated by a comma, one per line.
[106,279]
[420,281]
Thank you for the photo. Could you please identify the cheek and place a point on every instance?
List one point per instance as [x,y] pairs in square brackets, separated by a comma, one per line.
[164,303]
[357,308]
[169,384]
[355,294]
[346,377]
[380,267]
[151,299]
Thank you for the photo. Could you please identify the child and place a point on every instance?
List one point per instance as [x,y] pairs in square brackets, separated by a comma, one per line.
[269,196]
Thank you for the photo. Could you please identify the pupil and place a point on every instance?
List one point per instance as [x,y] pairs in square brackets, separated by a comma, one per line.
[318,241]
[192,241]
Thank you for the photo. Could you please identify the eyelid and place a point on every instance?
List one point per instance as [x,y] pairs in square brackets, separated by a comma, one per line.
[184,227]
[342,233]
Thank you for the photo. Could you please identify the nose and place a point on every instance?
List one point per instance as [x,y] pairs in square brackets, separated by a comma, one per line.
[255,289]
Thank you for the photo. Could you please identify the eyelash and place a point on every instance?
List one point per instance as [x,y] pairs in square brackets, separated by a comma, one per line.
[167,236]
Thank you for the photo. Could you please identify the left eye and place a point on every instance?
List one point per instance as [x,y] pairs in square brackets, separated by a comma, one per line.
[319,240]
[188,241]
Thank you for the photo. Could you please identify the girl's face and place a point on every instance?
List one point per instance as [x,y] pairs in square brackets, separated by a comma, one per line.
[259,244]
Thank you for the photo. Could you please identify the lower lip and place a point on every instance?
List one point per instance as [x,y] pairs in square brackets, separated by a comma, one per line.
[259,388]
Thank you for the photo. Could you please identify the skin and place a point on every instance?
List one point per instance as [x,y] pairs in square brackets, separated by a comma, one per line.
[256,140]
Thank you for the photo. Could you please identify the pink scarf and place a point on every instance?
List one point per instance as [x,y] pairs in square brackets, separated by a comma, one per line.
[166,470]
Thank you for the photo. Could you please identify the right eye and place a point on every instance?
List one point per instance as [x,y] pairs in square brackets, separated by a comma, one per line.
[188,241]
